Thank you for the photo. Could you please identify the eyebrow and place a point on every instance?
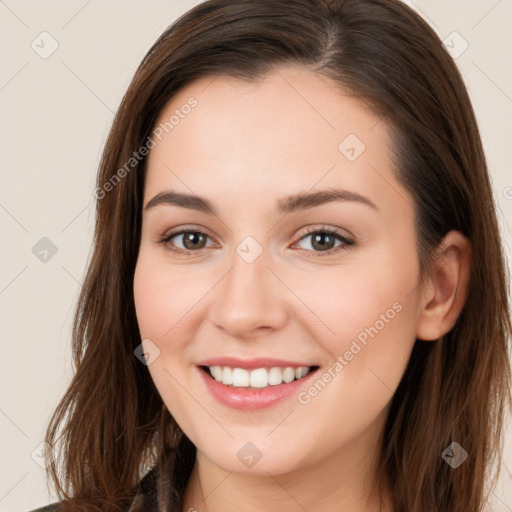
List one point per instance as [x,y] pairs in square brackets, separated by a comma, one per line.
[289,204]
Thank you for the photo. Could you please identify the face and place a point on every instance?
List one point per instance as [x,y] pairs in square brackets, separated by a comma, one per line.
[280,302]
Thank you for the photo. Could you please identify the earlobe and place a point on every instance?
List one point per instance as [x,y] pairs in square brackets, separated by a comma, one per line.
[446,290]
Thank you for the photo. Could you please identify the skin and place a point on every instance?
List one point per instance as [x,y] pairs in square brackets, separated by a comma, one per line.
[243,148]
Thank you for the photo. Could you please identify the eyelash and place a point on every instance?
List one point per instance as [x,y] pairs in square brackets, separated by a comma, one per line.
[346,242]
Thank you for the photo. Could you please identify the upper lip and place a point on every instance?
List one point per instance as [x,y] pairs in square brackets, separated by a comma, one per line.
[251,364]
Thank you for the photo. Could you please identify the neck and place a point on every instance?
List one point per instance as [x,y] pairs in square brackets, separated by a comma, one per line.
[345,482]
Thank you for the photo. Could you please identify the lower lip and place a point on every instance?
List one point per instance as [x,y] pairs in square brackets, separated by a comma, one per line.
[251,399]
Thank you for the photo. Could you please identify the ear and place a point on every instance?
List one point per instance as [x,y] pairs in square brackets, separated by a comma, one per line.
[444,294]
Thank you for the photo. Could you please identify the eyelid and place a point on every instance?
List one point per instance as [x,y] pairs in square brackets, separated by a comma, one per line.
[314,228]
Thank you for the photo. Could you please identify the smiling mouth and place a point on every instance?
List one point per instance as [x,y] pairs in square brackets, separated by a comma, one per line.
[258,378]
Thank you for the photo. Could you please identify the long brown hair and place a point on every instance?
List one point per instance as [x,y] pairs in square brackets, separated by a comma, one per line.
[111,425]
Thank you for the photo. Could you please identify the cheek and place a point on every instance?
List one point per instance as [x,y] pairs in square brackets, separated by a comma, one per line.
[163,296]
[151,298]
[168,303]
[348,301]
[373,317]
[162,301]
[365,318]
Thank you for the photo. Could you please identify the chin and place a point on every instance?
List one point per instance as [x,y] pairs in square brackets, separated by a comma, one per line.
[257,458]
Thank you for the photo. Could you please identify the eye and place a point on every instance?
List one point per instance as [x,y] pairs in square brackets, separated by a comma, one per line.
[323,240]
[190,240]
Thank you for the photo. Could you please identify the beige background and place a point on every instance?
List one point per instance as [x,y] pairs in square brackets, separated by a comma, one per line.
[56,113]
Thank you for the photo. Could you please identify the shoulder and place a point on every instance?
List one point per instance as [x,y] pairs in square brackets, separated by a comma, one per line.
[52,507]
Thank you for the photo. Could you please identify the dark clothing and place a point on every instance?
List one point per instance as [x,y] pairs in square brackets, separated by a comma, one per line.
[53,507]
[147,494]
[178,463]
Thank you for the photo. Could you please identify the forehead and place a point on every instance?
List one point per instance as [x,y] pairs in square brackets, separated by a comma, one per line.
[292,130]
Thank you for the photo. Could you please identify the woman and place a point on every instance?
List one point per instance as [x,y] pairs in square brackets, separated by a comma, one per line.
[297,295]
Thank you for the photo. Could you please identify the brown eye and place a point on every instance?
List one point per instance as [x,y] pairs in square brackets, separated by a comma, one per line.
[323,241]
[185,241]
[193,240]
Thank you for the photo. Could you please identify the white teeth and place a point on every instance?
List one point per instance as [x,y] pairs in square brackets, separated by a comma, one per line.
[259,378]
[275,376]
[240,378]
[216,372]
[288,374]
[298,372]
[227,375]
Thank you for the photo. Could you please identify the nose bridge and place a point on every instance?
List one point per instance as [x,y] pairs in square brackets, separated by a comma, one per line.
[248,297]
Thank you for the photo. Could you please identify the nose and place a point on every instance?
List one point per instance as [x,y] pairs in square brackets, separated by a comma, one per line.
[250,300]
